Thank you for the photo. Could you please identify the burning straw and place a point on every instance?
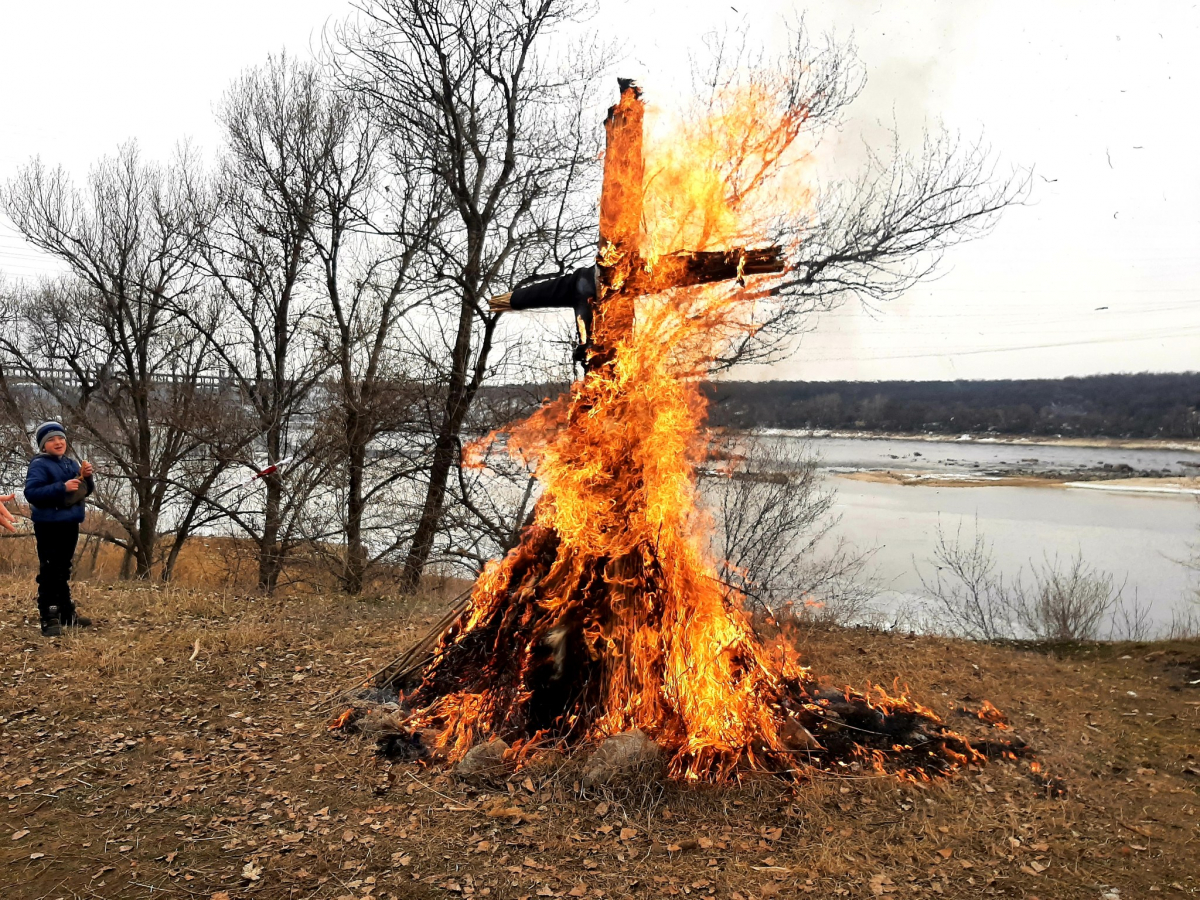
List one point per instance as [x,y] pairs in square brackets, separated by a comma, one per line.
[609,616]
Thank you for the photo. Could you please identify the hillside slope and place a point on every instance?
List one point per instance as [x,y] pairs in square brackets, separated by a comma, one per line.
[173,751]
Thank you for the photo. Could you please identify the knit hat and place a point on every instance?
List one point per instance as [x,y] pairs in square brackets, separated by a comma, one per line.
[46,431]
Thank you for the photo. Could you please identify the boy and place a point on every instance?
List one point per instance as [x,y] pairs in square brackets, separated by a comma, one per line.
[55,488]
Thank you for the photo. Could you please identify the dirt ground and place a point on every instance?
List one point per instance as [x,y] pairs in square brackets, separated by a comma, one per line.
[174,751]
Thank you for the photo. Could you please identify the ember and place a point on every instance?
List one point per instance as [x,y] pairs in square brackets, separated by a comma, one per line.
[609,616]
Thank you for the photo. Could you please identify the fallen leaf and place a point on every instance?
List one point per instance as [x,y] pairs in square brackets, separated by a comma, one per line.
[579,890]
[500,811]
[601,809]
[192,658]
[36,855]
[17,835]
[219,895]
[946,853]
[628,834]
[251,871]
[882,884]
[125,848]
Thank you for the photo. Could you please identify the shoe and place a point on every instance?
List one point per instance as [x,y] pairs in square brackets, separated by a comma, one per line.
[78,621]
[51,628]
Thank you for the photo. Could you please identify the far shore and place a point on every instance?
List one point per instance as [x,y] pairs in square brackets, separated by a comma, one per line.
[1157,486]
[1017,439]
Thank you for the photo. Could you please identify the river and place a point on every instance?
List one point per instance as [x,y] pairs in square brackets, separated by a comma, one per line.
[1139,537]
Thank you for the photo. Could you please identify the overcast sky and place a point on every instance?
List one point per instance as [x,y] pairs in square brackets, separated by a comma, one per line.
[1099,273]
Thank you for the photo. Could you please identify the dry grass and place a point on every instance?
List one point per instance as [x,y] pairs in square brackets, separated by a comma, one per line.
[128,769]
[206,563]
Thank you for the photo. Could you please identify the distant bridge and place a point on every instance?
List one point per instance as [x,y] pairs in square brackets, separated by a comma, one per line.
[63,377]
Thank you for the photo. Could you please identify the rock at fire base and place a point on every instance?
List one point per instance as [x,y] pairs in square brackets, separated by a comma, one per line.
[483,759]
[620,754]
[797,737]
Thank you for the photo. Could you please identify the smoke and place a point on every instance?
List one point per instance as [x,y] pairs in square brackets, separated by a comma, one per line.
[910,52]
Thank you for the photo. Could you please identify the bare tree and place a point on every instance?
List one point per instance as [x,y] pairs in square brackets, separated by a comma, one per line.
[1069,602]
[107,347]
[968,594]
[284,132]
[1131,620]
[469,96]
[1063,602]
[870,237]
[371,242]
[773,532]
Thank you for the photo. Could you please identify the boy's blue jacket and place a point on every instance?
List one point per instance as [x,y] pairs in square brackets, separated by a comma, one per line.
[46,491]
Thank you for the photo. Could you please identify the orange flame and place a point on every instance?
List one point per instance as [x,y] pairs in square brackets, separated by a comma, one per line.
[616,568]
[343,719]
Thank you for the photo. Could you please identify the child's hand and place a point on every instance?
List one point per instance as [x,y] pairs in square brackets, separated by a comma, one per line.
[6,518]
[72,485]
[85,469]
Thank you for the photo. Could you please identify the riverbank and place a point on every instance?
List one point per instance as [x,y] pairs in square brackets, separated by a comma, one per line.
[175,750]
[1136,485]
[1015,440]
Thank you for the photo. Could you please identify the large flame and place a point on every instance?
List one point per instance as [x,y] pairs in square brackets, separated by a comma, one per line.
[717,174]
[610,614]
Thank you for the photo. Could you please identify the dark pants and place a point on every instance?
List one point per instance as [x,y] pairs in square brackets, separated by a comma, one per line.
[56,549]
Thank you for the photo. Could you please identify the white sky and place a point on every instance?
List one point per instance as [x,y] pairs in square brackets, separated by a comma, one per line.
[1098,96]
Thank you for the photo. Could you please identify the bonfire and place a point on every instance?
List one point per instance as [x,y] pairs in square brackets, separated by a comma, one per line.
[609,615]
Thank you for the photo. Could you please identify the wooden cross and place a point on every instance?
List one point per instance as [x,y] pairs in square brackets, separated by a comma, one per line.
[603,295]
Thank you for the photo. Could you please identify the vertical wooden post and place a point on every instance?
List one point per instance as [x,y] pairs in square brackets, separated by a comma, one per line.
[620,238]
[620,220]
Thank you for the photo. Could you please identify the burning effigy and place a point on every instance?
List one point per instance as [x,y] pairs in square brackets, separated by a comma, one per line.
[609,615]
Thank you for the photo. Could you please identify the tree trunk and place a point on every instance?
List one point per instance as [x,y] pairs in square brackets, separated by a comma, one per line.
[269,558]
[184,531]
[145,539]
[356,553]
[431,512]
[459,394]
